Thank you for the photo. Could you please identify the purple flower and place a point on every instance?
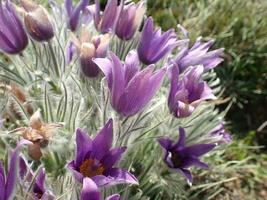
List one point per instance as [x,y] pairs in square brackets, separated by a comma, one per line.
[221,134]
[74,13]
[8,181]
[153,45]
[37,21]
[105,22]
[38,190]
[95,159]
[187,93]
[180,157]
[131,89]
[90,191]
[198,54]
[89,48]
[130,19]
[13,38]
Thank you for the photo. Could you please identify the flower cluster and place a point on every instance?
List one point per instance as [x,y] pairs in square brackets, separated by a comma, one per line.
[133,73]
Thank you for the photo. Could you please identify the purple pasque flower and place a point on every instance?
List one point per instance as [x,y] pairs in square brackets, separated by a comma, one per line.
[38,190]
[130,19]
[37,21]
[219,132]
[198,54]
[88,48]
[90,191]
[180,157]
[105,22]
[95,159]
[74,13]
[154,45]
[13,38]
[131,88]
[188,92]
[8,180]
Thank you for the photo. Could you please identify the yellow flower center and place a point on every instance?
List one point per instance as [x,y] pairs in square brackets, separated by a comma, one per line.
[89,169]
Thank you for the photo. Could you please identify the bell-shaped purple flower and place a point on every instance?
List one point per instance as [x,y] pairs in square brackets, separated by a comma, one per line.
[13,38]
[74,13]
[8,180]
[90,191]
[131,88]
[105,22]
[198,54]
[187,93]
[154,45]
[180,157]
[89,48]
[130,19]
[221,135]
[37,21]
[95,159]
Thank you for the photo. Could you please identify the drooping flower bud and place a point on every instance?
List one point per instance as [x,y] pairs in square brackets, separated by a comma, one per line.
[130,19]
[37,21]
[89,48]
[13,38]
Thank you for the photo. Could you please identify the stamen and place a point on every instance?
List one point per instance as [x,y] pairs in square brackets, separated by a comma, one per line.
[89,169]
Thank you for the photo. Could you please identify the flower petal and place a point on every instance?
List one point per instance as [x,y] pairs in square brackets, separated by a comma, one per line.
[113,157]
[103,141]
[13,168]
[84,145]
[90,190]
[198,149]
[72,167]
[113,197]
[2,181]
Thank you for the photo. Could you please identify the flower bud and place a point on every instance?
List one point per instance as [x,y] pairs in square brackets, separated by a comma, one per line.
[37,21]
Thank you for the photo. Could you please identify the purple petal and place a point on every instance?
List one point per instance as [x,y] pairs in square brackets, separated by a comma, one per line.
[13,168]
[103,141]
[84,145]
[198,149]
[22,168]
[187,174]
[110,16]
[166,143]
[115,176]
[113,157]
[75,15]
[118,83]
[113,197]
[105,66]
[181,141]
[39,186]
[2,181]
[174,75]
[145,40]
[72,167]
[68,6]
[140,90]
[90,190]
[184,110]
[131,65]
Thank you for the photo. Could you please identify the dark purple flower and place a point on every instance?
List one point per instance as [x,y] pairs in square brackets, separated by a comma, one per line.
[221,134]
[130,19]
[187,93]
[131,88]
[89,48]
[37,21]
[8,180]
[198,54]
[153,45]
[74,13]
[90,191]
[95,159]
[180,157]
[13,38]
[105,22]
